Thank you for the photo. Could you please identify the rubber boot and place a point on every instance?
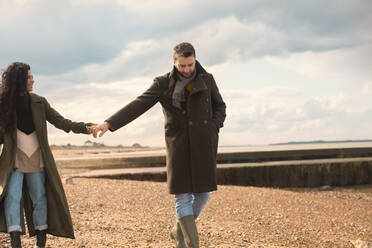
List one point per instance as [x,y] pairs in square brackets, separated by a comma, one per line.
[40,238]
[190,233]
[177,236]
[15,239]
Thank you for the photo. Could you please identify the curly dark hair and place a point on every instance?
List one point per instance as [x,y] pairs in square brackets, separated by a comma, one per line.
[13,84]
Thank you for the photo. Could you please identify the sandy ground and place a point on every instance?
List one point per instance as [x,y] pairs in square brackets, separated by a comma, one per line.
[123,213]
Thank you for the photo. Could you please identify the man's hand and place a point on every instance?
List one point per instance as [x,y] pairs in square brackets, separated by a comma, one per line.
[101,127]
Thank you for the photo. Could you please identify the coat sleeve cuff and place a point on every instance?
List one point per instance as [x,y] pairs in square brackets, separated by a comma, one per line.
[112,128]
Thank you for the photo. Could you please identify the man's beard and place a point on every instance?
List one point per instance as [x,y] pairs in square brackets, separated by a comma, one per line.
[189,75]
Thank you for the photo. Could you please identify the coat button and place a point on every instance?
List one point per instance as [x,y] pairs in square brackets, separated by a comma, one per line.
[207,99]
[190,123]
[184,112]
[205,122]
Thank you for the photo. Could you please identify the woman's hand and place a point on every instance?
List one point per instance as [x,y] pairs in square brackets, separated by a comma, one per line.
[91,128]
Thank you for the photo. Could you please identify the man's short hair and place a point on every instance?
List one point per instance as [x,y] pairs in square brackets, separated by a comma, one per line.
[183,49]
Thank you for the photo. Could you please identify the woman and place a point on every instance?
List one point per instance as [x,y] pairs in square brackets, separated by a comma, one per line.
[26,155]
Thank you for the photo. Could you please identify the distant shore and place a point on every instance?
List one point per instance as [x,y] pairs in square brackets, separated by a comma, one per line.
[75,150]
[72,151]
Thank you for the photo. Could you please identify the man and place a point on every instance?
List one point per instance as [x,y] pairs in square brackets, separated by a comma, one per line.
[194,112]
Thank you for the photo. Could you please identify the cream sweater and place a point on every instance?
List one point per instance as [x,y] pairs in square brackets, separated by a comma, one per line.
[28,156]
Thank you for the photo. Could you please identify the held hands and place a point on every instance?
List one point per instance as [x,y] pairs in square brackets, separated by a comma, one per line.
[101,127]
[90,128]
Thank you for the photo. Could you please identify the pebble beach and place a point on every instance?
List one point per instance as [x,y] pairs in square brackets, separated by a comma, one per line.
[125,213]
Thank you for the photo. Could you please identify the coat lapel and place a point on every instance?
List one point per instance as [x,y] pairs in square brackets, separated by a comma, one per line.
[199,85]
[37,110]
[171,84]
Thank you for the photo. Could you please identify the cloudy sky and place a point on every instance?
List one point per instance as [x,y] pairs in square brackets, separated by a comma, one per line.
[288,70]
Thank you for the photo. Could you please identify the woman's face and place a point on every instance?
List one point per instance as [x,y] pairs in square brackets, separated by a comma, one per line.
[30,81]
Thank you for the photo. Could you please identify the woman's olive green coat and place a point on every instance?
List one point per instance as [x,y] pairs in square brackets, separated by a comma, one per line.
[59,219]
[191,133]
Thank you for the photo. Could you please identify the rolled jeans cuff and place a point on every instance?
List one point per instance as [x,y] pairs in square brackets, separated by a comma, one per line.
[14,229]
[41,228]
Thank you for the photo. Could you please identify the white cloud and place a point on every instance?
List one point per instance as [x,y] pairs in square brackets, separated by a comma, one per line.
[152,57]
[315,64]
[287,71]
[256,116]
[275,94]
[148,6]
[96,102]
[367,88]
[231,39]
[314,118]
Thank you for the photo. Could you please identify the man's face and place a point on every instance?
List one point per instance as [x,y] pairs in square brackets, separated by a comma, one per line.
[185,65]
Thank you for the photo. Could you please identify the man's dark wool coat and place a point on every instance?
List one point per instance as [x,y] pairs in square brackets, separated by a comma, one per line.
[191,133]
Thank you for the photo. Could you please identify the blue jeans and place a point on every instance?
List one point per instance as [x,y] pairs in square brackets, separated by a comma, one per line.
[36,186]
[190,203]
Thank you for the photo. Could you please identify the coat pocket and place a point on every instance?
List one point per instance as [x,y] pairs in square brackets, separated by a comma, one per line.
[214,127]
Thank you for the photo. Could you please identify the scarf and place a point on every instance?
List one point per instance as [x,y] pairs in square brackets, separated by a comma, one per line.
[179,90]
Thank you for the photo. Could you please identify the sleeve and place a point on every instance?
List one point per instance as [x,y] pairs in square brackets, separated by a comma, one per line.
[62,123]
[136,108]
[218,105]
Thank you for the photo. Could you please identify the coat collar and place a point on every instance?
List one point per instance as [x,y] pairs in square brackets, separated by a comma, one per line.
[35,98]
[36,108]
